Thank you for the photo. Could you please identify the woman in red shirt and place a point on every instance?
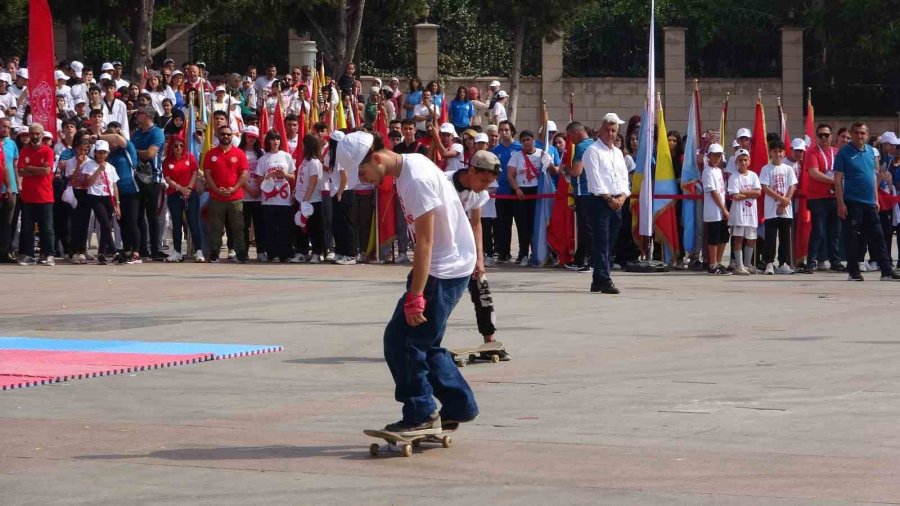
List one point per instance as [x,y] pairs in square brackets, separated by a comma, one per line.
[180,171]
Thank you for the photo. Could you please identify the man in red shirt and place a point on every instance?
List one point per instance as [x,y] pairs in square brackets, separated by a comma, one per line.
[36,168]
[824,238]
[225,170]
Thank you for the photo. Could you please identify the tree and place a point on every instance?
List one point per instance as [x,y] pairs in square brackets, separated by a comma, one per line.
[542,18]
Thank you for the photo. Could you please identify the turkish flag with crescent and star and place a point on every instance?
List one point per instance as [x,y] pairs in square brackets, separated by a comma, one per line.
[41,66]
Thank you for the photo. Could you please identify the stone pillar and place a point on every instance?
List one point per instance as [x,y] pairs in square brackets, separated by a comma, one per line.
[427,51]
[552,91]
[301,50]
[792,96]
[674,98]
[180,49]
[60,44]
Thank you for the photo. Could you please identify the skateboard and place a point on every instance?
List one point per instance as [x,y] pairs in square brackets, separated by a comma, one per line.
[404,445]
[487,351]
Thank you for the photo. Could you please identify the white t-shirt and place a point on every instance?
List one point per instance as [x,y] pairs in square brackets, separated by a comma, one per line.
[263,85]
[778,178]
[712,181]
[470,199]
[489,210]
[525,178]
[308,169]
[458,161]
[253,179]
[281,194]
[499,111]
[422,187]
[743,213]
[291,144]
[424,111]
[7,100]
[103,185]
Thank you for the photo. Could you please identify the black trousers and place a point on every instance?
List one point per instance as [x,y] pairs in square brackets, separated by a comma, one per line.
[887,228]
[503,228]
[7,207]
[149,208]
[585,230]
[253,215]
[130,205]
[483,301]
[315,228]
[103,212]
[279,230]
[42,216]
[862,220]
[81,220]
[487,235]
[62,219]
[524,216]
[342,225]
[780,227]
[363,208]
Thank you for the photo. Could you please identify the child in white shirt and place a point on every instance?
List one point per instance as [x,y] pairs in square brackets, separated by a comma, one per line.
[310,182]
[779,184]
[715,215]
[744,188]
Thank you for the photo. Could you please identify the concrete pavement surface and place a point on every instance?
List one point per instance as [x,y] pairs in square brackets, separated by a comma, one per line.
[684,389]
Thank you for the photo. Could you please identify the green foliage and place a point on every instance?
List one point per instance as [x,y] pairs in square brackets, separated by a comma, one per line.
[13,27]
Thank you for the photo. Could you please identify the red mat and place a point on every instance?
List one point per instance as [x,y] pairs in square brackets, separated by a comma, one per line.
[23,368]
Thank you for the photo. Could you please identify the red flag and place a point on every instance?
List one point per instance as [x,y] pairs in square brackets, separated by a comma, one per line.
[759,151]
[444,115]
[385,194]
[803,218]
[561,230]
[298,152]
[263,123]
[279,123]
[41,67]
[810,121]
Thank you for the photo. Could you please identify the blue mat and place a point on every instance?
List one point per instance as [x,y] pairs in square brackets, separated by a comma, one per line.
[161,348]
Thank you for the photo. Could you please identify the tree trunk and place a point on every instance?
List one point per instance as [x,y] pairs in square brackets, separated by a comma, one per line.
[340,40]
[355,10]
[516,71]
[141,36]
[74,40]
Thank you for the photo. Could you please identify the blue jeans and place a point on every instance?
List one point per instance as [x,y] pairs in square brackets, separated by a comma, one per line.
[825,236]
[606,232]
[863,222]
[420,366]
[177,206]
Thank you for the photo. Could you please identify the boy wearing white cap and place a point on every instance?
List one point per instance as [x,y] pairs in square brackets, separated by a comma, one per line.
[742,139]
[715,215]
[452,152]
[744,189]
[445,258]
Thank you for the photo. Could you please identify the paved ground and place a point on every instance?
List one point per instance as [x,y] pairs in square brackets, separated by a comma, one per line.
[685,389]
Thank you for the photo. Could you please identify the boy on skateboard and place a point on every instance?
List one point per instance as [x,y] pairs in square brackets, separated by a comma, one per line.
[445,257]
[471,186]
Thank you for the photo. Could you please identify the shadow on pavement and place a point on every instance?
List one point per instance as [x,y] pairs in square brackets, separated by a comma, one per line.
[241,453]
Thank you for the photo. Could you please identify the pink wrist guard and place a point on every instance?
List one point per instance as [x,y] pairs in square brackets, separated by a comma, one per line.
[415,304]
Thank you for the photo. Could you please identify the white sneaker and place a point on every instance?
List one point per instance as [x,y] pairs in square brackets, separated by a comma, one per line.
[770,269]
[863,267]
[524,262]
[199,258]
[262,257]
[345,260]
[873,266]
[403,259]
[49,261]
[25,260]
[315,258]
[297,259]
[783,269]
[232,255]
[825,266]
[488,261]
[88,256]
[741,271]
[752,269]
[617,267]
[174,257]
[330,257]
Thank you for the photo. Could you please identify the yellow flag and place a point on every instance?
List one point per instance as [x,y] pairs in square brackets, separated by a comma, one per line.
[340,122]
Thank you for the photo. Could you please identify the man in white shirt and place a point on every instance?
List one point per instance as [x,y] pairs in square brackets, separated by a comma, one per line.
[607,178]
[523,172]
[263,84]
[117,75]
[7,99]
[445,258]
[498,110]
[114,110]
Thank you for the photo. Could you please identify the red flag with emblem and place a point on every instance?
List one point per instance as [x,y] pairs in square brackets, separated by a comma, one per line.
[386,193]
[279,124]
[41,67]
[759,150]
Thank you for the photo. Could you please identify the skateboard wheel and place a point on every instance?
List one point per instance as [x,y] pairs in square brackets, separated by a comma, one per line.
[373,449]
[495,358]
[473,357]
[417,443]
[406,450]
[447,441]
[461,362]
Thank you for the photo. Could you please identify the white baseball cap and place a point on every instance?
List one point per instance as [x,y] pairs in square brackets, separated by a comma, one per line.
[105,76]
[890,138]
[494,83]
[502,94]
[612,117]
[76,67]
[448,128]
[735,144]
[350,153]
[5,77]
[251,131]
[23,73]
[59,74]
[798,145]
[551,126]
[101,145]
[106,66]
[741,152]
[743,132]
[220,88]
[338,136]
[481,137]
[715,148]
[80,101]
[47,135]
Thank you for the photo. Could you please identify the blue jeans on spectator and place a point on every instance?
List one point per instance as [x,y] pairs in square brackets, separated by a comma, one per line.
[606,233]
[862,220]
[177,206]
[825,236]
[420,366]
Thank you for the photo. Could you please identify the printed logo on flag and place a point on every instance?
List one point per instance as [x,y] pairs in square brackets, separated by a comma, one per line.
[41,98]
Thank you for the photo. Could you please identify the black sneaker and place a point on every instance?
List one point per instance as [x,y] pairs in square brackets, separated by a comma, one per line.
[572,266]
[585,268]
[723,271]
[837,267]
[712,271]
[450,425]
[695,266]
[159,256]
[608,288]
[894,276]
[431,426]
[101,259]
[213,259]
[858,277]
